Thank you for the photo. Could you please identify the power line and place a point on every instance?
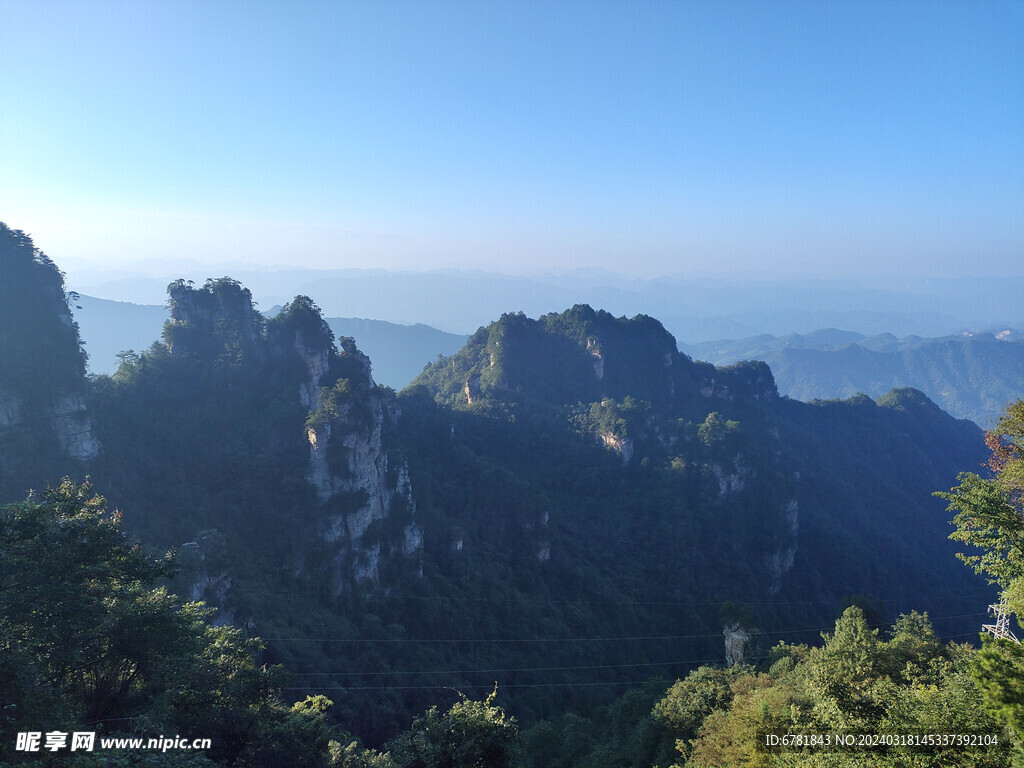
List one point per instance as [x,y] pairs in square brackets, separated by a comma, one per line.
[639,638]
[516,670]
[488,686]
[539,601]
[513,670]
[528,669]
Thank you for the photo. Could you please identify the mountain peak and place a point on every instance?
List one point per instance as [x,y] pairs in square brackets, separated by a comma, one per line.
[585,355]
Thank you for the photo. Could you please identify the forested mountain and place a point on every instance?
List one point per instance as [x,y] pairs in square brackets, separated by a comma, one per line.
[971,375]
[752,489]
[45,427]
[567,506]
[399,352]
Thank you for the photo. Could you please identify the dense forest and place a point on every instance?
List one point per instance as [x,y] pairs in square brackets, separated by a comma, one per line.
[566,544]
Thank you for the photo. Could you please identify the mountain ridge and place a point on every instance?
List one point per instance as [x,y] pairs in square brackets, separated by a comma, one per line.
[594,492]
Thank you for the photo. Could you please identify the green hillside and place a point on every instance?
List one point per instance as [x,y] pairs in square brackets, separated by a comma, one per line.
[567,506]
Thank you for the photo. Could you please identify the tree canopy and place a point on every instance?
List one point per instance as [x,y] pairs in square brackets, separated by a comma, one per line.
[990,518]
[88,642]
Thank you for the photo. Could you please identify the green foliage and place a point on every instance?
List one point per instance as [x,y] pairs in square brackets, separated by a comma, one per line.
[42,366]
[301,320]
[90,644]
[856,682]
[990,517]
[611,418]
[216,323]
[690,701]
[990,512]
[527,524]
[844,672]
[353,755]
[40,351]
[578,356]
[715,429]
[621,733]
[999,671]
[987,519]
[81,626]
[472,734]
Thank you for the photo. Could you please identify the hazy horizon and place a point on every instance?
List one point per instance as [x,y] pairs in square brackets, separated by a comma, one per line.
[734,138]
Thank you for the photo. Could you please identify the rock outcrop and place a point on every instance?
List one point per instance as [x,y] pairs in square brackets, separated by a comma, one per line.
[360,483]
[72,423]
[621,445]
[737,643]
[217,319]
[781,561]
[45,426]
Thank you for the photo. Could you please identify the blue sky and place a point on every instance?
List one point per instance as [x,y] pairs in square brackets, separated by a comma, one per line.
[646,138]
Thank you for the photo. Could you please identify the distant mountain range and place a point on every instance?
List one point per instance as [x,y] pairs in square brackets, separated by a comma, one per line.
[693,309]
[398,352]
[971,375]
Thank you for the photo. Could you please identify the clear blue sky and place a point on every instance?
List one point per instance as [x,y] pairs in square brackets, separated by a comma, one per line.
[828,138]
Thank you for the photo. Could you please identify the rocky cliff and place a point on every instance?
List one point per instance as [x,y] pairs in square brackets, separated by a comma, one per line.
[362,487]
[726,450]
[349,460]
[44,417]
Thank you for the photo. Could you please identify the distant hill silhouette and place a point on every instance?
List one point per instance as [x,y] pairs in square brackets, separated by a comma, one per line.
[972,375]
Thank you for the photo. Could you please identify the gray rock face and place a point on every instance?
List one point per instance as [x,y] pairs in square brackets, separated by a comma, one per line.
[472,388]
[737,640]
[221,305]
[544,552]
[73,425]
[730,482]
[621,445]
[12,410]
[208,579]
[317,364]
[67,415]
[363,468]
[595,352]
[781,561]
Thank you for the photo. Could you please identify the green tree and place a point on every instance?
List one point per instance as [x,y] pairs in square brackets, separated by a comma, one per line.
[690,701]
[990,518]
[845,671]
[990,511]
[472,734]
[89,643]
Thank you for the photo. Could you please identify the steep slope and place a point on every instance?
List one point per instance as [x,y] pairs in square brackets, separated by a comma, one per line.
[561,488]
[263,430]
[45,425]
[754,493]
[567,505]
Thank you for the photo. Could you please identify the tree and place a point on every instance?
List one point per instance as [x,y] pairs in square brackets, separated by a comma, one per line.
[472,734]
[990,511]
[990,518]
[87,642]
[843,674]
[689,702]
